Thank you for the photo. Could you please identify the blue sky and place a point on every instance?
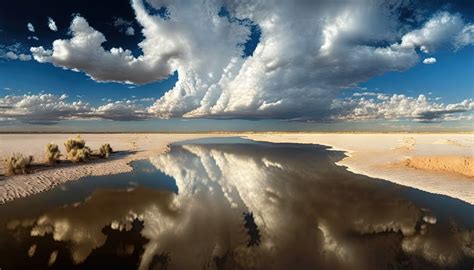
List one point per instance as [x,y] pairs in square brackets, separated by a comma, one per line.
[190,67]
[450,78]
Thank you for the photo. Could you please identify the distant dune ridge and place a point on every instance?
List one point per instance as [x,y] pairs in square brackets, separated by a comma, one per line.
[437,163]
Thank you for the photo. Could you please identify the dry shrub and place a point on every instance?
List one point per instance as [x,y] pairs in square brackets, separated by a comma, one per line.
[52,153]
[105,150]
[18,164]
[76,149]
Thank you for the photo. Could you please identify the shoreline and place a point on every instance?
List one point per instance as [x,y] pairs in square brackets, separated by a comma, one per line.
[143,146]
[377,155]
[382,156]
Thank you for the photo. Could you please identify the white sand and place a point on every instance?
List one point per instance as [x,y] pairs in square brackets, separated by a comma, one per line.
[377,155]
[435,158]
[140,146]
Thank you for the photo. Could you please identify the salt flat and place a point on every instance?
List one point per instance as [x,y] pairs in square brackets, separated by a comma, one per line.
[437,163]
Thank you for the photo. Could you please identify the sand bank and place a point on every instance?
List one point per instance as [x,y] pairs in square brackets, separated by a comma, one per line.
[437,163]
[130,147]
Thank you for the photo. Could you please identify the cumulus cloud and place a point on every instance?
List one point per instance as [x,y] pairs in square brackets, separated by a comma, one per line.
[123,110]
[308,53]
[400,107]
[429,61]
[30,27]
[13,56]
[13,52]
[50,108]
[33,37]
[443,29]
[84,51]
[40,107]
[52,24]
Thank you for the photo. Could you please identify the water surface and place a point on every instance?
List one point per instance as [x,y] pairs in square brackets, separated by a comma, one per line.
[230,203]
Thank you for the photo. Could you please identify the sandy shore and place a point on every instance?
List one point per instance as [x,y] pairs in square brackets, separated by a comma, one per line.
[131,146]
[437,163]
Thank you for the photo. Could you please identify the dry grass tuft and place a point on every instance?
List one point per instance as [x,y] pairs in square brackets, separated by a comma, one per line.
[76,149]
[52,153]
[18,164]
[105,150]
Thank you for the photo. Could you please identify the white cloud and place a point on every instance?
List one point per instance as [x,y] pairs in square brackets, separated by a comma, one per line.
[24,57]
[14,56]
[30,27]
[84,52]
[429,61]
[466,37]
[118,22]
[40,108]
[361,94]
[13,52]
[50,108]
[124,26]
[442,30]
[400,107]
[307,54]
[130,31]
[33,37]
[123,110]
[52,24]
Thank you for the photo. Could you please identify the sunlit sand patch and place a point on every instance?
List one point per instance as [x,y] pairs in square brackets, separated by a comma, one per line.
[451,164]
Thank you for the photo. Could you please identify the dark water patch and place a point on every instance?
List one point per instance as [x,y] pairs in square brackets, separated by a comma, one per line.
[252,230]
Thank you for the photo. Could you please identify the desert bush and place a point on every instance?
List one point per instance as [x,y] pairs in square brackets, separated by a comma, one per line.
[76,149]
[17,163]
[79,155]
[105,150]
[74,143]
[52,153]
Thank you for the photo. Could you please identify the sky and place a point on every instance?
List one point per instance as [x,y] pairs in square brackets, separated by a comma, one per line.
[221,65]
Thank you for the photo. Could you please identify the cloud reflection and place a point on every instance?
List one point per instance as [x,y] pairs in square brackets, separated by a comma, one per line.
[308,213]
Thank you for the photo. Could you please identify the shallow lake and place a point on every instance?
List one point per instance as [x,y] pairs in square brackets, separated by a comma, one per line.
[230,203]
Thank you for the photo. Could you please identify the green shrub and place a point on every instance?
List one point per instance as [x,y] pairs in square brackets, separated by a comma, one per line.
[52,153]
[105,150]
[76,149]
[18,164]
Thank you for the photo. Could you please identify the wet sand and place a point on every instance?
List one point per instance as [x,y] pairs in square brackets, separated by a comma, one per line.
[437,163]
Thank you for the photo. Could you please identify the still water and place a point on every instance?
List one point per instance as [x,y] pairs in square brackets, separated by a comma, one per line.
[236,204]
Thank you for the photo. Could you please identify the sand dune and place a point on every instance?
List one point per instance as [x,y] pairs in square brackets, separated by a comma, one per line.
[453,164]
[437,163]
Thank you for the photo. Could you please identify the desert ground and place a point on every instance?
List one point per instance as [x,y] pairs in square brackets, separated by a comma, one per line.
[436,163]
